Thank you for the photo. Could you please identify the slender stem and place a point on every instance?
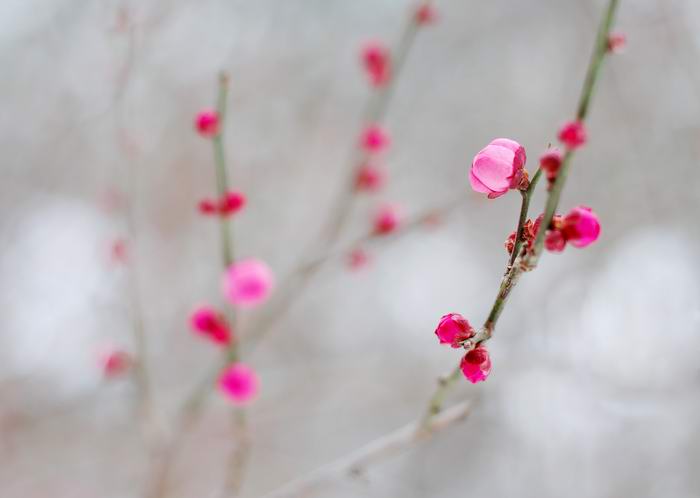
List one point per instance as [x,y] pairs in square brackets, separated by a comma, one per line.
[221,172]
[526,195]
[529,261]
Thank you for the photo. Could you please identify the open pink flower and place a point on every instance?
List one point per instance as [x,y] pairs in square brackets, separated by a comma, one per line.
[377,63]
[207,123]
[211,324]
[239,383]
[386,219]
[374,139]
[573,134]
[369,178]
[476,365]
[248,283]
[453,329]
[498,167]
[581,227]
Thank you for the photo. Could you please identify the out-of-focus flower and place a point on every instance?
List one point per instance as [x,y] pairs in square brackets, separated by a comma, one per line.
[207,123]
[426,14]
[231,203]
[550,162]
[617,42]
[358,258]
[211,324]
[369,178]
[453,329]
[386,219]
[239,383]
[375,139]
[248,283]
[377,63]
[119,251]
[207,207]
[476,365]
[573,134]
[115,362]
[498,167]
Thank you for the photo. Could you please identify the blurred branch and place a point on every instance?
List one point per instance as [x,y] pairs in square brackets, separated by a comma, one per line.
[373,453]
[527,261]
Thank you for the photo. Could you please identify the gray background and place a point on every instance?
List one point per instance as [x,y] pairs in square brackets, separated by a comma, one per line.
[594,390]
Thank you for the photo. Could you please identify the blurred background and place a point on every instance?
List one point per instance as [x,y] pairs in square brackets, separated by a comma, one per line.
[594,390]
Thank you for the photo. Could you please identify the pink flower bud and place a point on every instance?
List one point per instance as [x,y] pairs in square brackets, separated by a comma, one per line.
[239,383]
[581,227]
[550,162]
[616,43]
[426,14]
[453,329]
[231,203]
[207,123]
[248,283]
[386,219]
[573,134]
[369,178]
[476,365]
[207,207]
[376,60]
[115,362]
[357,259]
[498,167]
[375,139]
[209,323]
[554,241]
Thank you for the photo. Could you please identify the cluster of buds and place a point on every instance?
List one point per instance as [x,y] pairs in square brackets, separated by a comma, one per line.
[456,331]
[580,228]
[230,203]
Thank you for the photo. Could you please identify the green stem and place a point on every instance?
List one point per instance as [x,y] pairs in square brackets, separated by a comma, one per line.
[526,195]
[512,275]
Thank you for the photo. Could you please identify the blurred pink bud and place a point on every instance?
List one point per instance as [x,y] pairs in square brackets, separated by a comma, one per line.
[358,258]
[581,227]
[207,207]
[573,134]
[376,60]
[554,241]
[476,365]
[386,219]
[115,363]
[118,251]
[617,42]
[550,162]
[231,203]
[426,14]
[498,167]
[453,329]
[375,139]
[207,123]
[239,383]
[369,178]
[207,322]
[248,283]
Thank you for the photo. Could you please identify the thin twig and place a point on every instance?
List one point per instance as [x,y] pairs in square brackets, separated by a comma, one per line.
[357,462]
[529,260]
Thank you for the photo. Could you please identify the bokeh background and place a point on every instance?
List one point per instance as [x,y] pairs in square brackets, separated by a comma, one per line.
[594,390]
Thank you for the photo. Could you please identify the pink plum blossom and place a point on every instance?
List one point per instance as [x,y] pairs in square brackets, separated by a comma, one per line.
[358,258]
[248,283]
[207,207]
[369,178]
[550,162]
[231,203]
[239,383]
[374,139]
[581,227]
[573,134]
[207,123]
[115,362]
[377,63]
[426,14]
[386,219]
[616,42]
[453,329]
[211,324]
[498,167]
[476,365]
